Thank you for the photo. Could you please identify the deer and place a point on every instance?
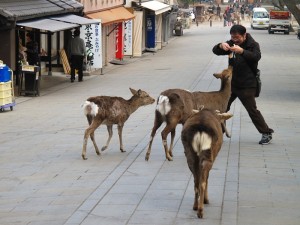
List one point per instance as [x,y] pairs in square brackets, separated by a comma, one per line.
[202,138]
[109,111]
[174,106]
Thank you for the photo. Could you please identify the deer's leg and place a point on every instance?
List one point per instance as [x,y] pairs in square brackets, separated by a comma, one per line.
[193,163]
[194,167]
[110,133]
[90,130]
[206,201]
[164,134]
[90,120]
[120,130]
[157,123]
[94,142]
[224,129]
[173,132]
[205,167]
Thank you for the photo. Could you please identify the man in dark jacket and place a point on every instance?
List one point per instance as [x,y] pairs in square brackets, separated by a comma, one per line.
[32,50]
[244,54]
[77,51]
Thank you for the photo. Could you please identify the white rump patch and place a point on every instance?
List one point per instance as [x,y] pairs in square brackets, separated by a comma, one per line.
[201,142]
[163,105]
[90,108]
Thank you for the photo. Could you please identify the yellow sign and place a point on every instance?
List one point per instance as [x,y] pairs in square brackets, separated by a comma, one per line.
[28,68]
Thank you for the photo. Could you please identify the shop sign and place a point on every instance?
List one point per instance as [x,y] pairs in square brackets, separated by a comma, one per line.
[119,41]
[91,34]
[128,37]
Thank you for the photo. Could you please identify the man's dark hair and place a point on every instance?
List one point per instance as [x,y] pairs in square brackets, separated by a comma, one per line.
[30,35]
[238,29]
[76,32]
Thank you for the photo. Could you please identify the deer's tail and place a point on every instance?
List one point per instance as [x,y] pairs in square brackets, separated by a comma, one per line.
[90,108]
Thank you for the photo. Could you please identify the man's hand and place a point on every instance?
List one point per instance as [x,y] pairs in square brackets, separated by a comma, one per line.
[225,46]
[237,49]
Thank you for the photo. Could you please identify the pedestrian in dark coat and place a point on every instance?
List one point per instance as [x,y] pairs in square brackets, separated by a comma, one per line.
[32,50]
[77,52]
[245,52]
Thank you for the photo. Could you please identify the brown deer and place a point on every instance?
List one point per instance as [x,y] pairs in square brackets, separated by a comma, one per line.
[202,138]
[111,110]
[174,106]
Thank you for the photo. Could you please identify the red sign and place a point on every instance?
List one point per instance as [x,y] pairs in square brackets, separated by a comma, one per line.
[119,41]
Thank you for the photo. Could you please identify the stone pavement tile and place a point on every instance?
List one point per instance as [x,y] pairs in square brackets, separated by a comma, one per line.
[153,216]
[114,211]
[121,198]
[268,216]
[128,189]
[170,205]
[162,194]
[196,221]
[168,185]
[98,220]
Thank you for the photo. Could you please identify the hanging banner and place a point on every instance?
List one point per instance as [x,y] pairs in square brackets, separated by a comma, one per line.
[150,21]
[128,29]
[119,41]
[91,34]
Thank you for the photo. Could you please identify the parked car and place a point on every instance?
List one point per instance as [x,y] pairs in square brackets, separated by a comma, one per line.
[260,18]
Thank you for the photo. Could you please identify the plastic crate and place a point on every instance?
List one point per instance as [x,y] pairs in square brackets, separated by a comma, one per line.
[6,93]
[5,86]
[4,101]
[4,73]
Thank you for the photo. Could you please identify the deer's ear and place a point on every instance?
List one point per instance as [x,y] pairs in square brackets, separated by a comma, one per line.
[132,91]
[194,111]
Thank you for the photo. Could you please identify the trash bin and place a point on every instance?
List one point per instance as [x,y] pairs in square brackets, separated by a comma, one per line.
[31,77]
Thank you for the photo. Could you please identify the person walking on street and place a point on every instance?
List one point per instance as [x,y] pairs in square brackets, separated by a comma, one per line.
[32,50]
[245,52]
[225,19]
[218,11]
[77,54]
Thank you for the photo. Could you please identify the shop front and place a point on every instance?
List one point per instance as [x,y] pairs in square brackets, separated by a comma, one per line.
[155,24]
[50,29]
[116,36]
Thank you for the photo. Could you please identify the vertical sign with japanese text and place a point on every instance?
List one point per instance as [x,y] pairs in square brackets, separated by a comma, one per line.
[128,45]
[91,34]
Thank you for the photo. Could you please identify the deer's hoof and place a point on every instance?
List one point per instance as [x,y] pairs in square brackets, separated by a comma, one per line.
[122,150]
[169,158]
[195,207]
[147,157]
[98,153]
[206,201]
[83,157]
[200,214]
[103,148]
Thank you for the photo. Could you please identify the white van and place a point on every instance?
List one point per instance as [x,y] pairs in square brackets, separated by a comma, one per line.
[260,18]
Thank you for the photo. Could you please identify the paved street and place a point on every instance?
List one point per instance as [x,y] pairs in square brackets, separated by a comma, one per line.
[44,181]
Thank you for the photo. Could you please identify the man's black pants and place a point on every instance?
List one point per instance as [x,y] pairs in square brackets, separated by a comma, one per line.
[247,98]
[76,63]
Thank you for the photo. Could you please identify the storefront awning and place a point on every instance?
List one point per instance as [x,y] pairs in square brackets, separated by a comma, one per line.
[57,23]
[74,19]
[157,7]
[110,16]
[47,24]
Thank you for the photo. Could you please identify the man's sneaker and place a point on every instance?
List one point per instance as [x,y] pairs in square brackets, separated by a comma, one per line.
[265,139]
